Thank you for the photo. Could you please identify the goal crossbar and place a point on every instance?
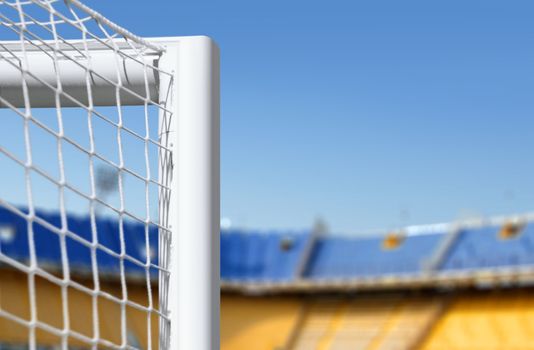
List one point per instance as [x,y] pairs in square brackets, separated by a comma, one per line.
[76,62]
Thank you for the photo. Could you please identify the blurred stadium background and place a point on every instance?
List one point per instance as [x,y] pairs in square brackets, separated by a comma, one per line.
[453,84]
[464,285]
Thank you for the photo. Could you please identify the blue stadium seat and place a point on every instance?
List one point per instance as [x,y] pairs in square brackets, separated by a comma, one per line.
[336,257]
[261,256]
[48,248]
[483,248]
[252,256]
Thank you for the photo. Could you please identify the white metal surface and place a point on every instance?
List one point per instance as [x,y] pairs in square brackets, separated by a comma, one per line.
[72,70]
[193,299]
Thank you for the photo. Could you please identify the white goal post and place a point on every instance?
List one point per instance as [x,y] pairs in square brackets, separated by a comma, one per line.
[178,76]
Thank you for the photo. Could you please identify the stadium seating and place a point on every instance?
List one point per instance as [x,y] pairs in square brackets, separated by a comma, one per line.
[270,257]
[500,319]
[257,323]
[483,248]
[318,325]
[14,299]
[435,318]
[368,322]
[47,242]
[335,257]
[258,256]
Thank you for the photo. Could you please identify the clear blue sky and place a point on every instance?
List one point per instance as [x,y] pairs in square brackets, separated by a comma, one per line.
[371,114]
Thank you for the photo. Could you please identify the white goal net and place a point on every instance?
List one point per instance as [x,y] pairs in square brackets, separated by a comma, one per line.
[109,204]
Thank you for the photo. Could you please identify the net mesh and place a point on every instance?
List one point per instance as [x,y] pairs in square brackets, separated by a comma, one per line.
[84,187]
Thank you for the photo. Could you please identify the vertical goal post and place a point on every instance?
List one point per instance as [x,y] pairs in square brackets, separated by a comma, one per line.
[183,78]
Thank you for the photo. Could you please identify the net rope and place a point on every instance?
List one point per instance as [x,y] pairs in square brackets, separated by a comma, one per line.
[104,226]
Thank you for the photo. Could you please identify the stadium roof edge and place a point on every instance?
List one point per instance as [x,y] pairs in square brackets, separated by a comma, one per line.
[477,278]
[415,230]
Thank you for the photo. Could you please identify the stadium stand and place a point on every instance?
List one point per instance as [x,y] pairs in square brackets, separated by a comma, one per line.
[364,257]
[249,257]
[256,256]
[484,247]
[454,286]
[14,242]
[264,323]
[14,299]
[320,321]
[495,319]
[370,322]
